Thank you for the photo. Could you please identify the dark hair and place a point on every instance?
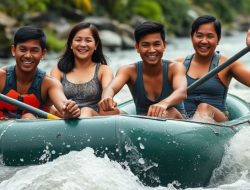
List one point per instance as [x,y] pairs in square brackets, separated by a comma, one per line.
[204,20]
[66,62]
[26,33]
[148,27]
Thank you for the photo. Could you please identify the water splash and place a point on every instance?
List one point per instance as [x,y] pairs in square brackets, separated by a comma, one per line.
[76,170]
[235,164]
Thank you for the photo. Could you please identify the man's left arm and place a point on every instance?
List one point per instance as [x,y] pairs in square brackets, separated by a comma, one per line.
[248,38]
[177,76]
[67,108]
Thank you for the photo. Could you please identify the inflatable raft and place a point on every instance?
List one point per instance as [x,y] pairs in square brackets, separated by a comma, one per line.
[158,151]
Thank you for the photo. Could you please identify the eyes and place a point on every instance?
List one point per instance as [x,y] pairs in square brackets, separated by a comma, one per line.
[154,44]
[32,50]
[86,40]
[208,36]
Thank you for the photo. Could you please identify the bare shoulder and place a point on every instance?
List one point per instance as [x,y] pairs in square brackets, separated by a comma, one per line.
[2,71]
[127,69]
[55,72]
[224,58]
[2,74]
[2,79]
[180,59]
[4,68]
[104,68]
[50,81]
[174,64]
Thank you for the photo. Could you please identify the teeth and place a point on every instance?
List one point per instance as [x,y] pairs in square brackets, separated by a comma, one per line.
[152,56]
[204,48]
[27,62]
[82,50]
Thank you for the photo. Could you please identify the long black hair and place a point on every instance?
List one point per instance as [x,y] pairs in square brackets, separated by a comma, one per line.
[66,63]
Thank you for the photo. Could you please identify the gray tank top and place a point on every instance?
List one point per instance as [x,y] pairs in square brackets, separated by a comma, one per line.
[86,94]
[212,91]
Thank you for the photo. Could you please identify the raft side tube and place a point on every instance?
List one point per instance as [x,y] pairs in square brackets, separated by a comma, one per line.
[36,142]
[237,107]
[160,152]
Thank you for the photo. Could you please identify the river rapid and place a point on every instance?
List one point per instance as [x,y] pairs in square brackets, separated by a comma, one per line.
[83,170]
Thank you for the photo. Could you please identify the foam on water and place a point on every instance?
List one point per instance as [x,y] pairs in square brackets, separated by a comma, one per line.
[236,162]
[76,170]
[234,171]
[83,170]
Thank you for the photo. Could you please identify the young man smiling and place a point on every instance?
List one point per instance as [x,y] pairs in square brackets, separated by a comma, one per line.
[158,86]
[25,82]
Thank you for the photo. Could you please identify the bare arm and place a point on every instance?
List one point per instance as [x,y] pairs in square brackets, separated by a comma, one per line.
[179,83]
[122,77]
[106,75]
[248,38]
[2,79]
[180,59]
[240,72]
[67,108]
[55,72]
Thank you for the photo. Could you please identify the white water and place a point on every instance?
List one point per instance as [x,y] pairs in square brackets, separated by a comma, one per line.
[83,170]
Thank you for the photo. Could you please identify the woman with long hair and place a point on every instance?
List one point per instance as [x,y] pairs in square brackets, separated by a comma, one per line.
[83,69]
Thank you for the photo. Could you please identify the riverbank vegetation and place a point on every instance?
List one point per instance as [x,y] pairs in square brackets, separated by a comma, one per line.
[56,16]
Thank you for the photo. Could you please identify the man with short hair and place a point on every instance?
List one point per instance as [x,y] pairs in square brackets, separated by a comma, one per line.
[158,86]
[25,82]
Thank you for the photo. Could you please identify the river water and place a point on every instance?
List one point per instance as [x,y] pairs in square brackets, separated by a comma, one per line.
[83,170]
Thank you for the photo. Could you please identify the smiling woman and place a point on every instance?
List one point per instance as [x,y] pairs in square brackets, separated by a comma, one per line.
[208,101]
[83,69]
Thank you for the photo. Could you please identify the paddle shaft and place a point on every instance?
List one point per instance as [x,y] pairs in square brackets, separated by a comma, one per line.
[27,107]
[218,69]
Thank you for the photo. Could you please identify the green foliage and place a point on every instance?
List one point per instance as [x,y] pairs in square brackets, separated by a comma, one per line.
[175,14]
[148,9]
[222,9]
[240,6]
[53,43]
[18,8]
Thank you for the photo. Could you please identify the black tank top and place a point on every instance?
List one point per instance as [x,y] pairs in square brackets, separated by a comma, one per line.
[139,94]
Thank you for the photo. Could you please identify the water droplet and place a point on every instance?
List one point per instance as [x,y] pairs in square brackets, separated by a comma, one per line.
[142,146]
[141,161]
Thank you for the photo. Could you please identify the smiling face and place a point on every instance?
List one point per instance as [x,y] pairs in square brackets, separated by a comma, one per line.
[205,40]
[83,44]
[151,48]
[28,55]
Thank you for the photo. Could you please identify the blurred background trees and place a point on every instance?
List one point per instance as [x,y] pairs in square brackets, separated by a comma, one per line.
[57,16]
